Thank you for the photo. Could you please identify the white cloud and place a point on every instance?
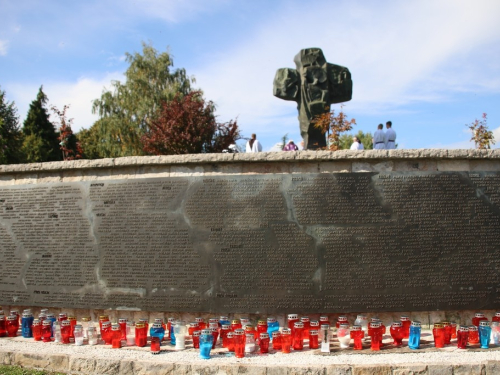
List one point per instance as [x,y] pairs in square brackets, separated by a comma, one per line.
[173,10]
[398,53]
[3,47]
[78,94]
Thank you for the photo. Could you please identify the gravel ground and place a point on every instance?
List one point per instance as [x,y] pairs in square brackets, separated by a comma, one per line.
[428,354]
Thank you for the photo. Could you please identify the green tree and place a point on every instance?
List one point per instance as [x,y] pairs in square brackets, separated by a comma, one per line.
[69,145]
[41,140]
[10,136]
[126,110]
[345,140]
[90,142]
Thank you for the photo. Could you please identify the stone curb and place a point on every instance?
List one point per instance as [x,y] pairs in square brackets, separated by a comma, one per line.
[77,365]
[297,156]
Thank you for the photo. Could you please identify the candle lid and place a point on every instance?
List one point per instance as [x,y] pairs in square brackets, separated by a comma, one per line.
[271,320]
[397,324]
[314,323]
[196,333]
[304,319]
[313,332]
[264,335]
[416,323]
[472,328]
[276,333]
[356,328]
[484,323]
[479,315]
[239,332]
[298,325]
[293,317]
[286,331]
[438,325]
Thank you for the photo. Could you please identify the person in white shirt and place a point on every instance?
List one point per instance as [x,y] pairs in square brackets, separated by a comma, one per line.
[379,138]
[253,145]
[390,137]
[357,145]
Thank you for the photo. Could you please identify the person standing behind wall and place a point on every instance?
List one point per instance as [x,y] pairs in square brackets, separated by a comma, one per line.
[379,138]
[253,145]
[390,136]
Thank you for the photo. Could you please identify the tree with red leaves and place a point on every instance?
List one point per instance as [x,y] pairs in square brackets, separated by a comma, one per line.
[328,122]
[69,145]
[187,125]
[483,137]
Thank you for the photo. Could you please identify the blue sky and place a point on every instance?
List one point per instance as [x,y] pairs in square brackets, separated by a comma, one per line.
[430,66]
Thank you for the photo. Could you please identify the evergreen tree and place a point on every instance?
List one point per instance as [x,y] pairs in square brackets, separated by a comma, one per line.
[127,110]
[10,136]
[41,140]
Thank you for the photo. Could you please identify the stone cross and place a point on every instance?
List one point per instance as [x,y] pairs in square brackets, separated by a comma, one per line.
[314,85]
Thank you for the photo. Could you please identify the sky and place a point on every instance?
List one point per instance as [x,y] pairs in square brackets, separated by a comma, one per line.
[429,66]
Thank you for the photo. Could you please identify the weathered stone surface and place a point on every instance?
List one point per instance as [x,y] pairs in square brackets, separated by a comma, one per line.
[85,365]
[307,371]
[6,358]
[146,368]
[492,368]
[338,370]
[107,366]
[437,369]
[413,369]
[469,369]
[33,360]
[372,370]
[452,165]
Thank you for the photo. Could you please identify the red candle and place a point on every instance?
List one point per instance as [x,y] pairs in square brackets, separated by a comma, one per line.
[196,339]
[462,337]
[376,335]
[453,330]
[405,320]
[447,332]
[307,326]
[249,330]
[397,333]
[12,325]
[116,336]
[357,334]
[102,318]
[342,319]
[264,342]
[123,327]
[106,332]
[37,329]
[65,331]
[215,334]
[313,339]
[3,329]
[473,335]
[194,326]
[235,324]
[261,326]
[201,323]
[141,334]
[477,318]
[46,331]
[230,341]
[155,345]
[439,332]
[16,314]
[276,340]
[496,318]
[239,343]
[61,317]
[72,321]
[286,340]
[298,334]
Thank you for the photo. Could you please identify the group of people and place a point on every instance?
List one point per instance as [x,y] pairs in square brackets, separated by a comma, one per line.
[381,140]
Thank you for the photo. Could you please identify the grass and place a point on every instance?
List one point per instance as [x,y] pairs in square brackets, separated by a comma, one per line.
[16,370]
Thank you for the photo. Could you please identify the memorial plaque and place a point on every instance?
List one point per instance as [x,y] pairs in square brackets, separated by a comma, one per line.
[395,241]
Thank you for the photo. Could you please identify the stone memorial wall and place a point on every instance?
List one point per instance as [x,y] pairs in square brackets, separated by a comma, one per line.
[267,233]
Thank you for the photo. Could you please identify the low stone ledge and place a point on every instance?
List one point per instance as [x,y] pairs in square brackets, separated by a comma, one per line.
[269,157]
[73,364]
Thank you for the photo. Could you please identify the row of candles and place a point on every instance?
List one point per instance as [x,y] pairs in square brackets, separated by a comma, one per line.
[240,337]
